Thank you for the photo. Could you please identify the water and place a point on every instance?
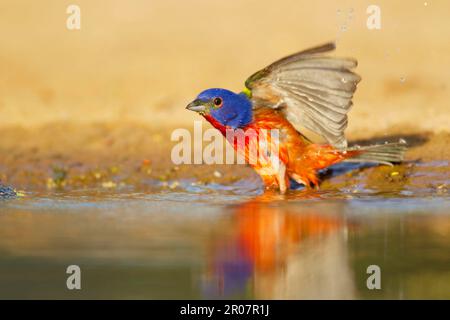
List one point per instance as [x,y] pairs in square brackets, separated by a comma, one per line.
[226,241]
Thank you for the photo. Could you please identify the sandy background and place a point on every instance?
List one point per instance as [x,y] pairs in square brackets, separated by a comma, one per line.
[144,60]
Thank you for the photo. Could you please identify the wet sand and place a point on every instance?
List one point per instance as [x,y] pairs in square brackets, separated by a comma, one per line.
[104,155]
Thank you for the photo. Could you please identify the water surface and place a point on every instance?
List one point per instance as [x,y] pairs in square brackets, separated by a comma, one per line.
[228,241]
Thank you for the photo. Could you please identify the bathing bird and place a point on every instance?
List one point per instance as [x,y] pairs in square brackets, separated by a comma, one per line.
[272,121]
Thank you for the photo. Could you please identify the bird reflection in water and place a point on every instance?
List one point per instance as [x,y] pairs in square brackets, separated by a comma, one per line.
[280,249]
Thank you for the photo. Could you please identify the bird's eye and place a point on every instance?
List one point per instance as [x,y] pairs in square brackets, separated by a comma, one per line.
[218,102]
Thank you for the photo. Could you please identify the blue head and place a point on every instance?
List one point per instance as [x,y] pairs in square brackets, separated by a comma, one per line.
[223,106]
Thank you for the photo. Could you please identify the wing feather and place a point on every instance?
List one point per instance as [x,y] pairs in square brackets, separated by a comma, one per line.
[312,90]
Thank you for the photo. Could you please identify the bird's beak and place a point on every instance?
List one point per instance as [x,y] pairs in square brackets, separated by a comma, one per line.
[197,105]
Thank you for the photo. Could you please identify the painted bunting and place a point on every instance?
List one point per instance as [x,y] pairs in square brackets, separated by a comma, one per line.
[308,91]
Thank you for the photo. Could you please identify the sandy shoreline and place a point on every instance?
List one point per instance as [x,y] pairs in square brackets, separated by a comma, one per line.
[109,154]
[110,93]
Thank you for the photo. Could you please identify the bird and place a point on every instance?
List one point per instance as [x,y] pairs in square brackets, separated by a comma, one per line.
[308,92]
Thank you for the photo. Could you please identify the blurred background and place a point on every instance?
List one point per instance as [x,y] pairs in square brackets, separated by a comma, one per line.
[85,123]
[143,61]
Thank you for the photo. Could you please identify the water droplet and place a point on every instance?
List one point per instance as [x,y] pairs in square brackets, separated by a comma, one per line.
[402,79]
[338,11]
[344,80]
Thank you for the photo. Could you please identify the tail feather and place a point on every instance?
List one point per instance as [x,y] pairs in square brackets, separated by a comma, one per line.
[387,153]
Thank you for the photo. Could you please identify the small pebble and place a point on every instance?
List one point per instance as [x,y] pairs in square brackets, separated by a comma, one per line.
[114,170]
[109,185]
[7,192]
[174,184]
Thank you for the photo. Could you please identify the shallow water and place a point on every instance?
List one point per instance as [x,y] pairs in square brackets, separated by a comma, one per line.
[229,241]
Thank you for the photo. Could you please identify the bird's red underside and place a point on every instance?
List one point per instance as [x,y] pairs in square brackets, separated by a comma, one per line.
[301,158]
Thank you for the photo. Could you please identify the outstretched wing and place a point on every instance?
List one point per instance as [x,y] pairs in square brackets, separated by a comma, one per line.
[312,90]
